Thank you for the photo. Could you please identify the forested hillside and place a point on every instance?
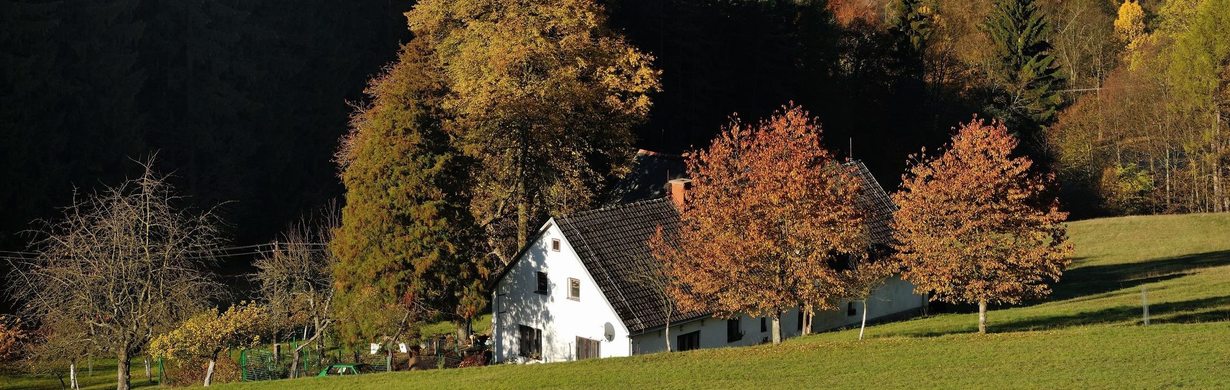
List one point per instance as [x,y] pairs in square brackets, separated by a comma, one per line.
[245,102]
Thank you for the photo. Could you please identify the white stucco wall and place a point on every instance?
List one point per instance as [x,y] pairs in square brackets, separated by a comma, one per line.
[896,296]
[561,319]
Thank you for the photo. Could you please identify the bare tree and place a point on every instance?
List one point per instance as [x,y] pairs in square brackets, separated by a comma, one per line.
[123,263]
[296,279]
[656,277]
[864,276]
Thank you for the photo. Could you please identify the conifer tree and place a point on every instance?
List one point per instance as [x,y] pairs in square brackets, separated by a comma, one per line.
[1025,72]
[403,249]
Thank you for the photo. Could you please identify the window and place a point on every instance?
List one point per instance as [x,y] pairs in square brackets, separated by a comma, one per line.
[530,341]
[542,283]
[850,310]
[555,244]
[764,326]
[687,341]
[733,331]
[574,289]
[588,349]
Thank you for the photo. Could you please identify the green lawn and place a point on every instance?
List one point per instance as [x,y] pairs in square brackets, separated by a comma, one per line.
[1088,335]
[102,378]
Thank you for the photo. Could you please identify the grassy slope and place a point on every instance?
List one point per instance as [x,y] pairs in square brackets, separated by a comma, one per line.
[1086,335]
[103,378]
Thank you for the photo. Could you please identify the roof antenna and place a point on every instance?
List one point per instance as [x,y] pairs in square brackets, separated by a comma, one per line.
[851,148]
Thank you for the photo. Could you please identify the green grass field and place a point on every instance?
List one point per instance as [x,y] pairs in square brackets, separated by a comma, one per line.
[1087,335]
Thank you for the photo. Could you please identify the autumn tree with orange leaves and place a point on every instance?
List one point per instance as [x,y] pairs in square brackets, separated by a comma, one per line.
[975,224]
[770,211]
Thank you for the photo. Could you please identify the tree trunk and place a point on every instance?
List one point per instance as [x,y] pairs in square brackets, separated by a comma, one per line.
[388,359]
[667,332]
[122,380]
[72,376]
[863,326]
[523,197]
[805,318]
[209,371]
[294,364]
[149,374]
[982,317]
[777,328]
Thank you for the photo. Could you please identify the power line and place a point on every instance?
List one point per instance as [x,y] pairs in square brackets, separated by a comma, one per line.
[235,251]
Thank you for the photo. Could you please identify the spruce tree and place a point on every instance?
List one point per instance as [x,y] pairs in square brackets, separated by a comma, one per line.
[403,249]
[1025,72]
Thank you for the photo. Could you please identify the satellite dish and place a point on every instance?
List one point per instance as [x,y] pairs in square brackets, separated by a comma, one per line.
[608,330]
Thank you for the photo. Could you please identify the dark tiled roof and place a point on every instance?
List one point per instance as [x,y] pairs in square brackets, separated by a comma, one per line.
[647,179]
[613,243]
[875,202]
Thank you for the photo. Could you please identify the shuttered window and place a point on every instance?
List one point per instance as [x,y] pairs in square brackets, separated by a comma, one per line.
[530,342]
[588,349]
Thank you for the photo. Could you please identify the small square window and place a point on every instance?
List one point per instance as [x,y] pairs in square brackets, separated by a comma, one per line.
[542,283]
[574,289]
[555,245]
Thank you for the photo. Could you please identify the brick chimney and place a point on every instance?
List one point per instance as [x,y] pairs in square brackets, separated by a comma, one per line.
[678,190]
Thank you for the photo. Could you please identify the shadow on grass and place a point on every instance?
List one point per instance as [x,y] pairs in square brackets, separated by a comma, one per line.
[1122,314]
[1196,310]
[1098,279]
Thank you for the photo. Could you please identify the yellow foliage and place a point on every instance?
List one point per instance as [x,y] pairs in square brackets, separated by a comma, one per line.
[206,334]
[1130,25]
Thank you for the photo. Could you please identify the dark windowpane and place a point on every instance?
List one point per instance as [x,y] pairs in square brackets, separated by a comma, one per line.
[799,324]
[850,309]
[733,330]
[688,341]
[555,244]
[542,283]
[764,324]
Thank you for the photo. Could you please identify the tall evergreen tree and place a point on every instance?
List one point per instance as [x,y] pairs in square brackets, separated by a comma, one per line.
[1024,70]
[403,250]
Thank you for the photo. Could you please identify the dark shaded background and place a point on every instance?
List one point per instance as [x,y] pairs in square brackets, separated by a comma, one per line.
[244,101]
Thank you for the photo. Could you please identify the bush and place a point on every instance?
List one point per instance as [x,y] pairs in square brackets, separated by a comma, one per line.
[183,373]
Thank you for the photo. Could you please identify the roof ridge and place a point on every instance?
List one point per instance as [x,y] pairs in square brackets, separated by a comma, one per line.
[611,207]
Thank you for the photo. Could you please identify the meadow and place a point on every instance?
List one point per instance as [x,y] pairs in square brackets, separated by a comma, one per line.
[1088,334]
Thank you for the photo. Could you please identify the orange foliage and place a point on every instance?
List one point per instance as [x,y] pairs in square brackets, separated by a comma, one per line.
[769,211]
[850,11]
[973,224]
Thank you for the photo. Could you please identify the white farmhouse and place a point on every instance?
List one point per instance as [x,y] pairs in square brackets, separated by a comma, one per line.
[572,293]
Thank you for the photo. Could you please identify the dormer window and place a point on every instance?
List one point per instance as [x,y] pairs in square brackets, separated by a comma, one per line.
[555,245]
